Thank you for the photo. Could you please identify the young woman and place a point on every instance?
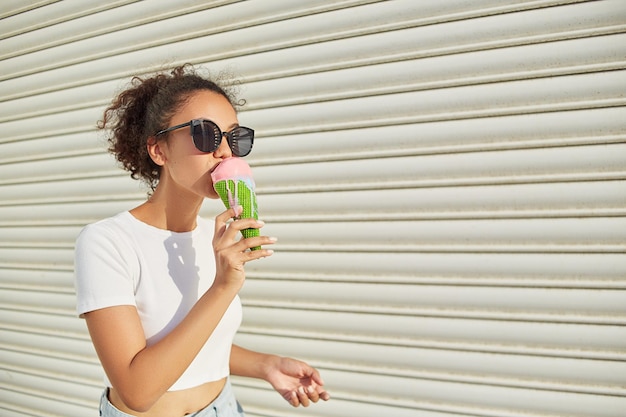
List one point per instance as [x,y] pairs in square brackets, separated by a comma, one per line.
[158,285]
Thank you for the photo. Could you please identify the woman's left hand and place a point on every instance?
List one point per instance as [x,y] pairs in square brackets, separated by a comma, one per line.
[296,382]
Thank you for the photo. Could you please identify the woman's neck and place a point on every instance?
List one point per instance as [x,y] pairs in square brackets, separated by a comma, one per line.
[176,212]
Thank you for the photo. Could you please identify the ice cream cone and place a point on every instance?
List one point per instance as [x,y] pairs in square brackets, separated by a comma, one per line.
[232,180]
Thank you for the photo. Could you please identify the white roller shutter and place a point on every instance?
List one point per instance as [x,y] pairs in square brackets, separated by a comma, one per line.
[447,180]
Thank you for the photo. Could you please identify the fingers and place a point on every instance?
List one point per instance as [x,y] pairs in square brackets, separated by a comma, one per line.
[312,393]
[324,395]
[260,253]
[315,375]
[298,397]
[229,214]
[222,220]
[227,232]
[251,246]
[321,392]
[305,395]
[292,398]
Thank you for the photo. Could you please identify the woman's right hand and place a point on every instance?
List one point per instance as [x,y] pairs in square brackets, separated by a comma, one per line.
[232,253]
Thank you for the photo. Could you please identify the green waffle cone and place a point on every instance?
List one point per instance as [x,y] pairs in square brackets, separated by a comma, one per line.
[237,192]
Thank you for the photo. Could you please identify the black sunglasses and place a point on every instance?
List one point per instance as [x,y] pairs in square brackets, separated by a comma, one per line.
[207,136]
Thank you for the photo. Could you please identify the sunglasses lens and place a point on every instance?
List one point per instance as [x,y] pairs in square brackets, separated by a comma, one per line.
[206,136]
[241,140]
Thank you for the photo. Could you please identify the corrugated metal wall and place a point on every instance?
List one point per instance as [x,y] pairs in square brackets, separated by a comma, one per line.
[447,180]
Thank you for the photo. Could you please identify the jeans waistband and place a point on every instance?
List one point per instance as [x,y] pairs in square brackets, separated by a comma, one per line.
[225,405]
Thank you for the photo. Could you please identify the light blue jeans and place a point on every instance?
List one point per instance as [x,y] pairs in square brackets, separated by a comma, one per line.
[225,405]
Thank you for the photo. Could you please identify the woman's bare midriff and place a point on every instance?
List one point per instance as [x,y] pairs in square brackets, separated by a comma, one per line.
[175,403]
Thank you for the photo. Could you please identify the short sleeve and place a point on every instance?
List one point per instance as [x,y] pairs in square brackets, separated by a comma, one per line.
[105,269]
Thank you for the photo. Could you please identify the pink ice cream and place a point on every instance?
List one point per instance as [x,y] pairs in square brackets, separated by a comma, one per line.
[235,169]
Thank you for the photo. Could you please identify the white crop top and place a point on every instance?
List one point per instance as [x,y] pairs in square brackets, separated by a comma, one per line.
[123,261]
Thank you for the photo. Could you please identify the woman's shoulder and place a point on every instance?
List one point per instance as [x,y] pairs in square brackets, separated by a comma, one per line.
[117,221]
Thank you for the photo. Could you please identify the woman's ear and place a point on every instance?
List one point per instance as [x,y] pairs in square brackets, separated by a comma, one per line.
[155,150]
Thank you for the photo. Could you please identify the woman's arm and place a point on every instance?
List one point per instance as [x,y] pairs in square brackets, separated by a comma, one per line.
[141,374]
[295,381]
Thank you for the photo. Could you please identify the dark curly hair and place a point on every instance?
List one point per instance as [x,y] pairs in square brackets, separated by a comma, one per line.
[146,107]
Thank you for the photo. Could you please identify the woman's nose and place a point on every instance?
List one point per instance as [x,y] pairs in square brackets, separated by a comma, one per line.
[223,151]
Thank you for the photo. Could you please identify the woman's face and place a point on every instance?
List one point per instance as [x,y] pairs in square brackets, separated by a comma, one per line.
[186,167]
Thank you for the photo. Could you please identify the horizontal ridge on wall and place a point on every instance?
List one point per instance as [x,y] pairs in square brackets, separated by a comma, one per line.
[575,163]
[559,235]
[458,398]
[504,334]
[437,356]
[552,200]
[572,317]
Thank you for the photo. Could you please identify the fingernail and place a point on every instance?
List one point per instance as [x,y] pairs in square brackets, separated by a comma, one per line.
[301,389]
[260,222]
[273,239]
